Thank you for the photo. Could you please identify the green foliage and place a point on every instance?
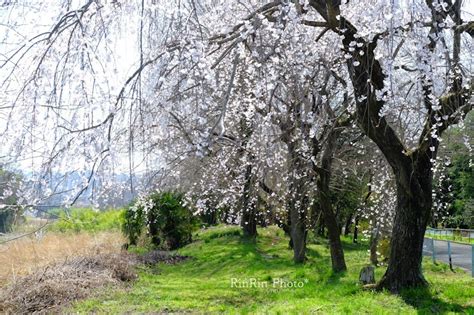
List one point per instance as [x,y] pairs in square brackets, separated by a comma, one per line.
[10,213]
[347,194]
[53,213]
[167,221]
[455,187]
[203,284]
[133,222]
[7,218]
[86,219]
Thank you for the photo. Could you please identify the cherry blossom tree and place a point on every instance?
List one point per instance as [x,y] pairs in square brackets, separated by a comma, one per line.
[217,96]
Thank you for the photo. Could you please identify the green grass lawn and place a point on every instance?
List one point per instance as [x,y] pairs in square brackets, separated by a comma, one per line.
[204,283]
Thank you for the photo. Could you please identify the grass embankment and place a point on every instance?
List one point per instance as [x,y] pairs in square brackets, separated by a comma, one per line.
[86,220]
[204,283]
[454,238]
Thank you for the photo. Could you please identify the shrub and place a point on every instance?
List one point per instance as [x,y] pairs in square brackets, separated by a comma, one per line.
[89,220]
[134,221]
[8,216]
[165,218]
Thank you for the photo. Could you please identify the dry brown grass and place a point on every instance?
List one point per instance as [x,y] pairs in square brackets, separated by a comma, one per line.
[49,289]
[46,275]
[23,256]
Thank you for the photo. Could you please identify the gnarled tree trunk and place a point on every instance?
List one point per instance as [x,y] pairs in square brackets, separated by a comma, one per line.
[412,215]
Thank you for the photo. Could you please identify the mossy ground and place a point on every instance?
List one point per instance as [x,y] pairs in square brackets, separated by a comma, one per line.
[220,254]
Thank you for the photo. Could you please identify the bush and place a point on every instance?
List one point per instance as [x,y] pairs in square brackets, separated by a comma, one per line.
[134,221]
[8,216]
[163,215]
[89,220]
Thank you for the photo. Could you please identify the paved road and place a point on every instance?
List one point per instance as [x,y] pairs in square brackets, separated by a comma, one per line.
[461,254]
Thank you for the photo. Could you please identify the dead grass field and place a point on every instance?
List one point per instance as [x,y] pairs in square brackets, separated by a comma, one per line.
[24,255]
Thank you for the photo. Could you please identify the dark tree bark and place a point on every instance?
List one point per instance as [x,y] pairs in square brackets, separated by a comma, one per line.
[297,203]
[249,217]
[248,207]
[356,229]
[323,181]
[413,213]
[315,216]
[298,200]
[298,233]
[347,225]
[335,245]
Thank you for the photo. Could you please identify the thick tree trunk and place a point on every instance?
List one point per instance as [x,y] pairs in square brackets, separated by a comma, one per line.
[337,253]
[248,223]
[347,226]
[249,218]
[297,203]
[334,231]
[413,213]
[335,245]
[248,207]
[298,234]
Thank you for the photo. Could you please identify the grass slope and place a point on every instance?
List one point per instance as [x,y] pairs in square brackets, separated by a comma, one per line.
[203,284]
[458,239]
